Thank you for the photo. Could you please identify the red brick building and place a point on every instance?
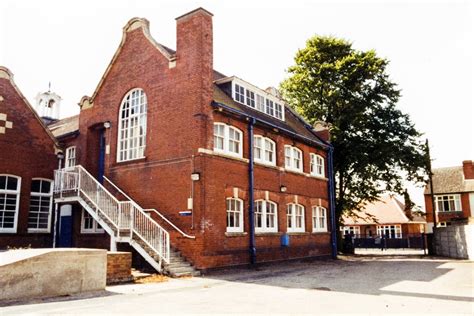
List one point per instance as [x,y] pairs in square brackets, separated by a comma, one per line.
[27,161]
[385,217]
[233,175]
[453,189]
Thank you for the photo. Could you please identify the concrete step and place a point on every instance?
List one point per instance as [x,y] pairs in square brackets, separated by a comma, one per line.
[176,265]
[185,274]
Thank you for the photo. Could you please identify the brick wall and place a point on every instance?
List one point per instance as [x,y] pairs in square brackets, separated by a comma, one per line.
[179,122]
[27,151]
[119,267]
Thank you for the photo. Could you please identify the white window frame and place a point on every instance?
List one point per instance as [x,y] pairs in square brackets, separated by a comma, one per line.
[279,110]
[227,140]
[397,231]
[260,102]
[258,99]
[448,198]
[317,165]
[17,193]
[291,158]
[263,212]
[96,229]
[70,160]
[260,147]
[291,217]
[239,228]
[132,147]
[319,219]
[41,197]
[351,230]
[239,93]
[250,98]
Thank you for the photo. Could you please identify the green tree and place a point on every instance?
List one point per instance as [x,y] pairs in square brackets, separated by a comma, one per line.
[376,146]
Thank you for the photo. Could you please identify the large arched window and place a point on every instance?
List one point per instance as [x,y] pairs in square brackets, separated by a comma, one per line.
[132,126]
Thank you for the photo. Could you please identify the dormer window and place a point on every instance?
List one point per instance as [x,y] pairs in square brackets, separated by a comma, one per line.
[239,93]
[278,111]
[260,103]
[250,98]
[270,108]
[255,98]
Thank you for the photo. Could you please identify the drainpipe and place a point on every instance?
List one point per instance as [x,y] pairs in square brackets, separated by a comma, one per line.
[106,125]
[252,247]
[430,175]
[332,202]
[60,156]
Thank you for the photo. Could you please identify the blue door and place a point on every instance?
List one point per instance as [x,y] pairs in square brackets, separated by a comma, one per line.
[65,227]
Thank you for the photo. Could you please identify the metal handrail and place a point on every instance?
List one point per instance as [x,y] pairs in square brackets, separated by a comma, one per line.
[121,214]
[151,210]
[169,222]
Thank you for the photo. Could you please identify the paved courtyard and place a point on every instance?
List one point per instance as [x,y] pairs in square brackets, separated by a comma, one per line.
[359,284]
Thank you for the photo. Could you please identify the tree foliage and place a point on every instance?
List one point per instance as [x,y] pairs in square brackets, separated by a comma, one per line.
[374,142]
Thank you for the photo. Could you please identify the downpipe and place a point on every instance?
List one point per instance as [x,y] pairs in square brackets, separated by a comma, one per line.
[252,246]
[332,202]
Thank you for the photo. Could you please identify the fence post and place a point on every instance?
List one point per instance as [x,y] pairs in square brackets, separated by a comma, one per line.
[132,219]
[119,218]
[79,182]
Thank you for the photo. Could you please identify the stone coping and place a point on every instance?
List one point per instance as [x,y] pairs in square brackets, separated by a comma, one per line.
[15,255]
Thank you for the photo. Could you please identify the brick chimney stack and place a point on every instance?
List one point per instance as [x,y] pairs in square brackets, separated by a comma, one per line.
[468,169]
[194,46]
[322,129]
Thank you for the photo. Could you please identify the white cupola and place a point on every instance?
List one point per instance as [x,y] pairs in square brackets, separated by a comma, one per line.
[47,106]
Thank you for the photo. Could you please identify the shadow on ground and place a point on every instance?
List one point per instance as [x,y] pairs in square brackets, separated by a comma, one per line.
[63,298]
[357,274]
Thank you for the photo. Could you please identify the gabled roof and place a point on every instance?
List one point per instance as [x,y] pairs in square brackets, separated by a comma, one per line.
[133,24]
[5,73]
[388,210]
[450,180]
[66,126]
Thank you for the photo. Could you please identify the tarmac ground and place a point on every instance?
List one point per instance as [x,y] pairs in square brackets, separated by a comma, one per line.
[362,284]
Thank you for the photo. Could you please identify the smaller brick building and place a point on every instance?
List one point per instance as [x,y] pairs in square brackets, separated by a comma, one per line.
[27,161]
[453,189]
[385,217]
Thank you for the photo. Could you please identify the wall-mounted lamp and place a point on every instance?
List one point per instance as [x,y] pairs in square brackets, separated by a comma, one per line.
[60,155]
[283,188]
[195,176]
[107,124]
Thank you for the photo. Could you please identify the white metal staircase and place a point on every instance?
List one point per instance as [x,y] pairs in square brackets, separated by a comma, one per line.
[124,221]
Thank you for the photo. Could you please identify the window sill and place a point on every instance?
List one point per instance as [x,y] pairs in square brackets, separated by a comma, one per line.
[92,233]
[262,234]
[317,176]
[221,154]
[126,162]
[319,232]
[264,164]
[299,172]
[38,231]
[449,212]
[236,234]
[297,233]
